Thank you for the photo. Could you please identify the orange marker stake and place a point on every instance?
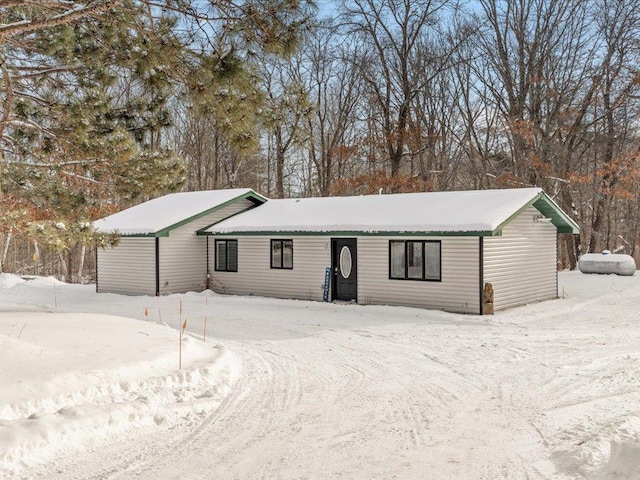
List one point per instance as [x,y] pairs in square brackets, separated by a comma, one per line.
[182,329]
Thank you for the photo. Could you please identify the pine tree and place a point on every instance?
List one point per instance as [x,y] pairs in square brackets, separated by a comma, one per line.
[86,108]
[86,93]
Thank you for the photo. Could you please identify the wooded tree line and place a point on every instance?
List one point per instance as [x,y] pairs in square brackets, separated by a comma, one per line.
[104,104]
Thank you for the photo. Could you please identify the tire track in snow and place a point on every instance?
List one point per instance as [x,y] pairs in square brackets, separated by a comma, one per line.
[456,384]
[230,420]
[324,407]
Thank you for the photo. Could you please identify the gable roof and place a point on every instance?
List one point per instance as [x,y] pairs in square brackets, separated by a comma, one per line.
[157,217]
[477,213]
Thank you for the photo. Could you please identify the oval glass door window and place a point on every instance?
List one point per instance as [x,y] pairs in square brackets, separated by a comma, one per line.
[345,262]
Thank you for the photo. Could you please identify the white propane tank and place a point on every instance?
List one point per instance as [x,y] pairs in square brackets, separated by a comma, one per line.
[606,263]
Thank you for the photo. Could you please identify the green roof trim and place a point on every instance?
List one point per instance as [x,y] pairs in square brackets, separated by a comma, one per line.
[251,196]
[137,235]
[340,233]
[548,208]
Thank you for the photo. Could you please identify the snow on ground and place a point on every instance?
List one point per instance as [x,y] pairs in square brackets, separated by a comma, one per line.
[294,389]
[74,378]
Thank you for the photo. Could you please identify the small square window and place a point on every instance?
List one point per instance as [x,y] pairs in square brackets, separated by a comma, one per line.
[282,254]
[226,256]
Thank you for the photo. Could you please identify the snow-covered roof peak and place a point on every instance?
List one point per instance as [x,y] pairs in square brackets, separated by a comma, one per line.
[457,212]
[162,213]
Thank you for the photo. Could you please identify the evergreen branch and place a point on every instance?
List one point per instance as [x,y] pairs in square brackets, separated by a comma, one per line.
[95,7]
[39,100]
[39,71]
[52,3]
[80,177]
[28,124]
[70,163]
[39,3]
[45,72]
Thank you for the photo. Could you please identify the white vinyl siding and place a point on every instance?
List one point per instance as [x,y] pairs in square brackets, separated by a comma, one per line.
[183,254]
[522,264]
[311,256]
[458,290]
[128,268]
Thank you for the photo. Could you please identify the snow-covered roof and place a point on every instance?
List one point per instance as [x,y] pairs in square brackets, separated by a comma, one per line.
[478,212]
[162,214]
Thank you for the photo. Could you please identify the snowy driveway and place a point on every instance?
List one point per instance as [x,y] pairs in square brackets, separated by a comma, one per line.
[547,391]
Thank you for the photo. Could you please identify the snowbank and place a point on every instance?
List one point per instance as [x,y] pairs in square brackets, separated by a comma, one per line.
[81,377]
[611,452]
[8,280]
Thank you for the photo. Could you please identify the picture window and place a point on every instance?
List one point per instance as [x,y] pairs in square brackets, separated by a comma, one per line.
[415,260]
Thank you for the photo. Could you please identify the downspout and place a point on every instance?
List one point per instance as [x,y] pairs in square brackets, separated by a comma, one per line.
[481,273]
[157,266]
[96,248]
[207,284]
[557,286]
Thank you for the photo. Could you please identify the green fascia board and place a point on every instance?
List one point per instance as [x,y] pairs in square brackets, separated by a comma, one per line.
[252,196]
[139,235]
[353,234]
[548,208]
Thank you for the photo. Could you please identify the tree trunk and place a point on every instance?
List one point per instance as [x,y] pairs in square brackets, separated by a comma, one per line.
[83,251]
[63,264]
[572,243]
[279,164]
[36,258]
[6,249]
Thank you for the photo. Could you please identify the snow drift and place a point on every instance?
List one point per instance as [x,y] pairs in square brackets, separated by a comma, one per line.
[78,377]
